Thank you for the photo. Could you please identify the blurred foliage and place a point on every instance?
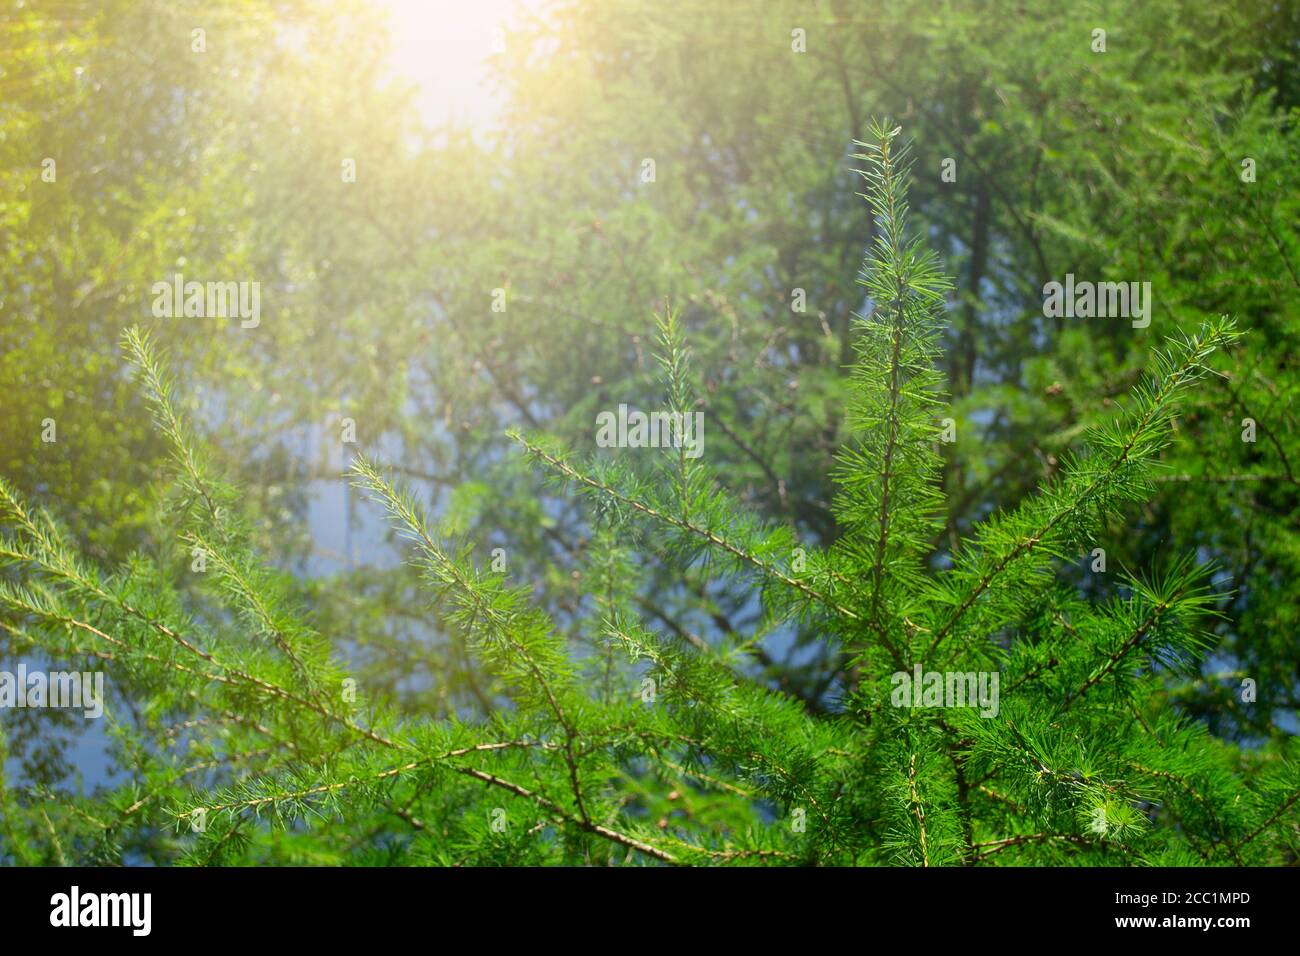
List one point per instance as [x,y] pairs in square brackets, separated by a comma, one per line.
[377,295]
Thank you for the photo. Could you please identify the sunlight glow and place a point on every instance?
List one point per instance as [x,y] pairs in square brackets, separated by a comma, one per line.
[442,46]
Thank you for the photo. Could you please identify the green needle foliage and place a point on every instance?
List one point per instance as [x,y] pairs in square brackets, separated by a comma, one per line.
[623,736]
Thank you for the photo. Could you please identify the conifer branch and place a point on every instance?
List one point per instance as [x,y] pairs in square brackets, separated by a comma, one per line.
[568,471]
[1085,487]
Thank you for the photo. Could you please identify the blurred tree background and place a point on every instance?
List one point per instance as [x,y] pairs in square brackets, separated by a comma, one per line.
[1128,164]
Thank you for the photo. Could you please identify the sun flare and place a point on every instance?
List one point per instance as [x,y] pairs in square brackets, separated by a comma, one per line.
[442,47]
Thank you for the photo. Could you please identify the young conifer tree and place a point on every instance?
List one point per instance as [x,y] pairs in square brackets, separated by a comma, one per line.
[242,738]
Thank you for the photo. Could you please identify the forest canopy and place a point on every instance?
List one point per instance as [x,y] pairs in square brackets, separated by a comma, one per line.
[765,433]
